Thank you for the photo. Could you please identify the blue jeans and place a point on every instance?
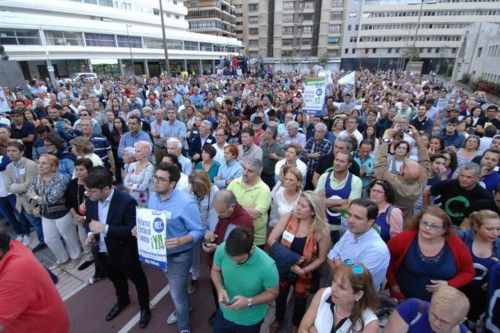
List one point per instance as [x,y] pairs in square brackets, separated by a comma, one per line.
[222,325]
[177,273]
[8,210]
[36,222]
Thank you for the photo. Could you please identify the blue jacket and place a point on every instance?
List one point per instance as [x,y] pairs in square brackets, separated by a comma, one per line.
[284,257]
[456,140]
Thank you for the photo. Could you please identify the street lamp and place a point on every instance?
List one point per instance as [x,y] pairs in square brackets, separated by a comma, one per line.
[167,64]
[130,49]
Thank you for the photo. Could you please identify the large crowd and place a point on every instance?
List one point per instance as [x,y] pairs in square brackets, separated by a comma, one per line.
[380,210]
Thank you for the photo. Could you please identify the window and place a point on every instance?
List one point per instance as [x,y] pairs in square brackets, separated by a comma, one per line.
[309,5]
[287,30]
[8,37]
[307,17]
[253,42]
[287,42]
[346,51]
[253,7]
[19,36]
[205,46]
[374,50]
[100,40]
[389,50]
[305,53]
[129,41]
[366,51]
[333,53]
[335,16]
[288,18]
[353,51]
[193,46]
[63,38]
[153,43]
[288,5]
[479,51]
[336,3]
[334,28]
[305,30]
[253,31]
[333,40]
[349,27]
[253,19]
[286,53]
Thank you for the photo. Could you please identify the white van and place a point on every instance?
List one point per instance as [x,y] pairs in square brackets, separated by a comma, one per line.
[83,76]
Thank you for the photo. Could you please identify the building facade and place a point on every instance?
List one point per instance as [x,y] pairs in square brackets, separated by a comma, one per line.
[214,17]
[360,33]
[107,36]
[479,53]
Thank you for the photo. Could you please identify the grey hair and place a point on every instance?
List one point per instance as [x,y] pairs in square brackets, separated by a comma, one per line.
[225,196]
[175,141]
[255,163]
[144,143]
[347,139]
[321,126]
[293,124]
[129,151]
[208,123]
[471,166]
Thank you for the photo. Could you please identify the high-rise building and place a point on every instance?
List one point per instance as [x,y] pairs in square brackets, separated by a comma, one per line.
[359,33]
[387,33]
[112,37]
[215,17]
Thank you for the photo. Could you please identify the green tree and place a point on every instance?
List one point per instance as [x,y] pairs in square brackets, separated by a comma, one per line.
[323,59]
[412,53]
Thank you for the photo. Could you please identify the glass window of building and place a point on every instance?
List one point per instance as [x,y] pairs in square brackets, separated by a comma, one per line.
[129,41]
[100,40]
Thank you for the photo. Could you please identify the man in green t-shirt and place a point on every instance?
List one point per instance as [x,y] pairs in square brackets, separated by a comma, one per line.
[246,280]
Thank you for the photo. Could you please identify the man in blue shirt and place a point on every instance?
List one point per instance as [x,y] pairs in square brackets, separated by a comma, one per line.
[197,99]
[184,229]
[135,134]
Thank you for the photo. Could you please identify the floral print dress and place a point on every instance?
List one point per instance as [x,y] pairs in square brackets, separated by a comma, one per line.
[137,184]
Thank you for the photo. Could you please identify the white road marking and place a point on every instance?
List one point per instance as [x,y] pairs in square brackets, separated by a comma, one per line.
[128,326]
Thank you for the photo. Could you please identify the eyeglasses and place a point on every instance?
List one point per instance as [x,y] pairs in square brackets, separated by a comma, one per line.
[357,269]
[83,114]
[161,179]
[376,191]
[430,225]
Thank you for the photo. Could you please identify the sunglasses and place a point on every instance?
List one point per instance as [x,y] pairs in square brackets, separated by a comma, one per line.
[357,269]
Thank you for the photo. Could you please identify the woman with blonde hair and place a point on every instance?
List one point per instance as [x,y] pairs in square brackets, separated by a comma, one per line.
[484,244]
[139,174]
[81,147]
[349,305]
[47,190]
[204,192]
[303,234]
[286,194]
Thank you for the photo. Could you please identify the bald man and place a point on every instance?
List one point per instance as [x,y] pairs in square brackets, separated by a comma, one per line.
[410,182]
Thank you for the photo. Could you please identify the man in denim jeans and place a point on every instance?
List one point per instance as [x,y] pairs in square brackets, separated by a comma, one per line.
[184,228]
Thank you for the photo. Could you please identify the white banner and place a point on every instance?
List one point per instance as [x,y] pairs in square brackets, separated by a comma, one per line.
[348,79]
[314,95]
[151,235]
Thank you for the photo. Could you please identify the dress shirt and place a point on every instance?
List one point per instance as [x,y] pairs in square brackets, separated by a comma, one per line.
[129,139]
[102,210]
[227,171]
[161,129]
[184,217]
[368,249]
[176,129]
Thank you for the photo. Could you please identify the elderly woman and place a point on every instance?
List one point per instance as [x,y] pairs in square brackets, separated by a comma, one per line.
[286,194]
[484,245]
[207,162]
[231,169]
[56,146]
[390,217]
[292,154]
[139,174]
[305,233]
[48,191]
[428,256]
[349,305]
[445,313]
[81,147]
[401,151]
[204,192]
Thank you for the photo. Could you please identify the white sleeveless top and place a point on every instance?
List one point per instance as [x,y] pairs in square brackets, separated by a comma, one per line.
[324,317]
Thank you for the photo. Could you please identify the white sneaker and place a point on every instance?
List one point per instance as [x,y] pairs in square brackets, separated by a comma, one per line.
[19,238]
[26,240]
[172,319]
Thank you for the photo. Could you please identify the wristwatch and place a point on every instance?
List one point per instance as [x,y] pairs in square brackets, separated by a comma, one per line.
[249,302]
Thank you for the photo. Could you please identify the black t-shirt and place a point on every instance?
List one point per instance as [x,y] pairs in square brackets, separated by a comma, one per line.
[74,194]
[455,200]
[326,161]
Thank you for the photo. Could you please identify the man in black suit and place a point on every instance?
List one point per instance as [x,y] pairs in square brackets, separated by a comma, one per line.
[111,217]
[204,138]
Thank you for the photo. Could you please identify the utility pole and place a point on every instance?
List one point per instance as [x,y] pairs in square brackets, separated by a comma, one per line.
[130,50]
[167,64]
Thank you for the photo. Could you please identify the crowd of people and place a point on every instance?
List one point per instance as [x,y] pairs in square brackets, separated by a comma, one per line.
[392,191]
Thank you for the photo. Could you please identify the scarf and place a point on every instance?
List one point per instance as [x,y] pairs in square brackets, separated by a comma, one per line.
[310,253]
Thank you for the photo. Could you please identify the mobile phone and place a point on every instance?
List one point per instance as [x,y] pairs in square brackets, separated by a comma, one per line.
[228,301]
[205,243]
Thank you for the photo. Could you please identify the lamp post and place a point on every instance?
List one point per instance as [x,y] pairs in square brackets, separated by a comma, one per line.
[130,50]
[167,64]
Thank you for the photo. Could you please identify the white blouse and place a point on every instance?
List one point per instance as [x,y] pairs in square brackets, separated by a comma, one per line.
[280,206]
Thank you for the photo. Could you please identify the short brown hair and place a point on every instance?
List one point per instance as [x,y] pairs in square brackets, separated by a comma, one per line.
[437,212]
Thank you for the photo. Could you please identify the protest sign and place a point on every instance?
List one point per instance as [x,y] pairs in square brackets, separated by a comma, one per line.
[151,234]
[314,95]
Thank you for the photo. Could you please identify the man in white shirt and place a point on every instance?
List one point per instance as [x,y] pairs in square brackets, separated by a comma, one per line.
[220,143]
[351,129]
[362,243]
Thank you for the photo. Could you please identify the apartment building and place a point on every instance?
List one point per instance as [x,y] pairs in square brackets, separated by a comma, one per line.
[479,53]
[362,33]
[214,17]
[385,32]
